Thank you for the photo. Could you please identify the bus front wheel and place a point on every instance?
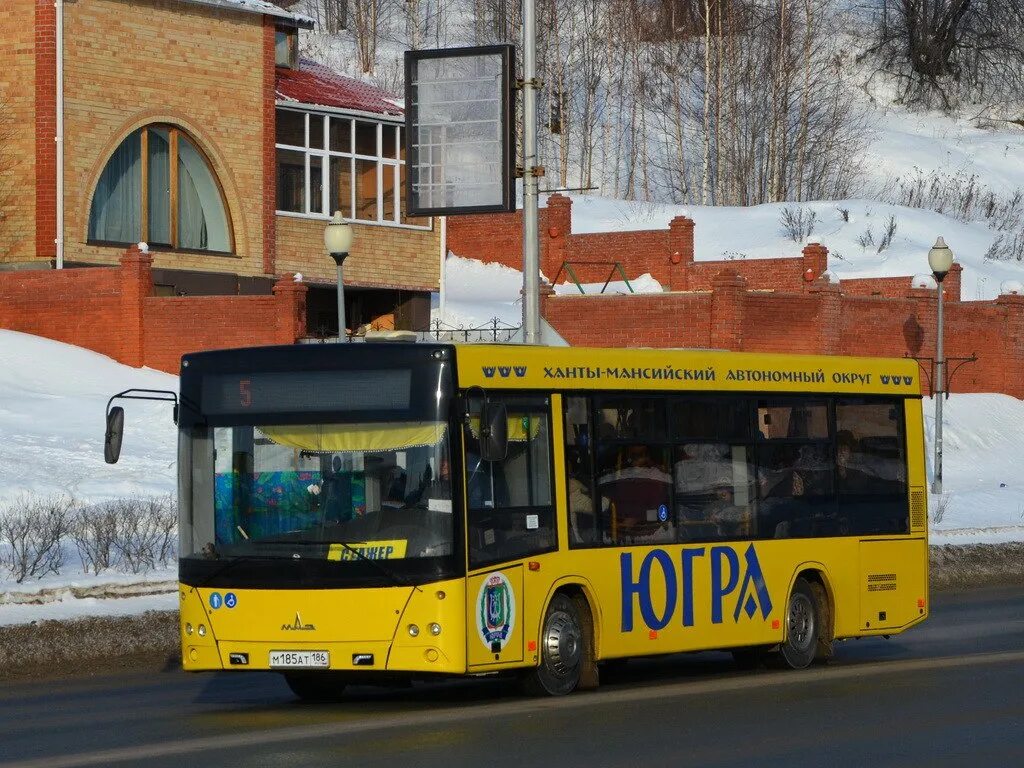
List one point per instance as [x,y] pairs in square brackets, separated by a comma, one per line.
[315,686]
[561,651]
[803,625]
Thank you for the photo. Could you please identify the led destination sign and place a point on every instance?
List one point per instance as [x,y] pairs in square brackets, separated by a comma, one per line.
[306,391]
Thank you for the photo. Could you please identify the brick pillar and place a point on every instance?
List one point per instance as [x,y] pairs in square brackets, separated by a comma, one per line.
[546,292]
[291,309]
[45,127]
[554,234]
[830,308]
[1012,353]
[680,253]
[951,285]
[814,262]
[728,300]
[920,328]
[136,276]
[269,151]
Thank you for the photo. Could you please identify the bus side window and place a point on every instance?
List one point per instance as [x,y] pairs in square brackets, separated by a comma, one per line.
[510,502]
[713,491]
[579,469]
[870,461]
[794,459]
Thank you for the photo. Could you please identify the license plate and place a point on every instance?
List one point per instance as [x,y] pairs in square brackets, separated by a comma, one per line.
[300,659]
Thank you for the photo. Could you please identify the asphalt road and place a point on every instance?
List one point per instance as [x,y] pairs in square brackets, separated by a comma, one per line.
[950,692]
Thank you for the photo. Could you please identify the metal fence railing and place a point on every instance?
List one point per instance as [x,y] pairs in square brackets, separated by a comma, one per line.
[494,331]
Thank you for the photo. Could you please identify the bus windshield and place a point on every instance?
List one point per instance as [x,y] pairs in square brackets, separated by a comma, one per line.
[375,490]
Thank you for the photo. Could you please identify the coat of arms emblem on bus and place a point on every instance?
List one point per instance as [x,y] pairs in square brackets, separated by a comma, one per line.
[496,611]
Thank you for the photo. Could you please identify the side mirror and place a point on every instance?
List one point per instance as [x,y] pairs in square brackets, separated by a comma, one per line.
[114,435]
[494,432]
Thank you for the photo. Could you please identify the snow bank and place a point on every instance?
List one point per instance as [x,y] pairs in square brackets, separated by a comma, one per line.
[477,292]
[984,488]
[52,401]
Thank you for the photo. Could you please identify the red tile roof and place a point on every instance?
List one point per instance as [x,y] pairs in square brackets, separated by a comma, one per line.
[316,85]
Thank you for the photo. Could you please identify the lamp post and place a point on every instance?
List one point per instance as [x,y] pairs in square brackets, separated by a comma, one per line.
[338,240]
[940,259]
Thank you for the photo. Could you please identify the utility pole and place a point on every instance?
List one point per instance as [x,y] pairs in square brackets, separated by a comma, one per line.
[531,249]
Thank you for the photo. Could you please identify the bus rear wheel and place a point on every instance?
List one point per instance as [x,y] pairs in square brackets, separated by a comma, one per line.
[561,651]
[803,625]
[316,686]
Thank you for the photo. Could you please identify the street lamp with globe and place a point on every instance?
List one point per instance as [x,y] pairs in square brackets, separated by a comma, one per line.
[940,260]
[338,241]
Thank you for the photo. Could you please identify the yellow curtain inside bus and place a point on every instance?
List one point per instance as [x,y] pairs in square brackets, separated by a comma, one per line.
[334,438]
[517,427]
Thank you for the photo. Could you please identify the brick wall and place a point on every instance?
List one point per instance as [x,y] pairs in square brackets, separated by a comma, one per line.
[131,63]
[597,321]
[18,143]
[667,254]
[381,257]
[896,287]
[112,310]
[820,319]
[81,306]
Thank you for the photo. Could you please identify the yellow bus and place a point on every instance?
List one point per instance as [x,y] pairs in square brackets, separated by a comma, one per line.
[371,512]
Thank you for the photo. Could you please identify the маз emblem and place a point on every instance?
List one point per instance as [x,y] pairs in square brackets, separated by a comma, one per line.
[496,611]
[297,625]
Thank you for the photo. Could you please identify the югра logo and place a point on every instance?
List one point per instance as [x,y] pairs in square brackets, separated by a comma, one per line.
[737,587]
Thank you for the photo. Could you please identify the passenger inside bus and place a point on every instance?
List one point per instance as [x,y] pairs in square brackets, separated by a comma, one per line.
[336,493]
[635,481]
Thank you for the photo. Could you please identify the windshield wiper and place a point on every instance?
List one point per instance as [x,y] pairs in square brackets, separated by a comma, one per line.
[392,577]
[228,564]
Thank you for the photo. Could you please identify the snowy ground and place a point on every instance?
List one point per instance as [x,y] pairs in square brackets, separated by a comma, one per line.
[52,402]
[51,419]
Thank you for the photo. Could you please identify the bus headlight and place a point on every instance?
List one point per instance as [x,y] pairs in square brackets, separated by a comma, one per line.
[188,629]
[414,631]
[202,630]
[435,629]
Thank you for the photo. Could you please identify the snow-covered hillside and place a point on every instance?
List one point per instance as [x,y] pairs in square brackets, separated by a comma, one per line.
[52,401]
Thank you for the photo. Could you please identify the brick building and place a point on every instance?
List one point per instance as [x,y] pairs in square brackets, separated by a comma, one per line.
[192,125]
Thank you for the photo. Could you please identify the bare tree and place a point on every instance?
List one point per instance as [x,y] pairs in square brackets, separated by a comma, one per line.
[366,17]
[944,52]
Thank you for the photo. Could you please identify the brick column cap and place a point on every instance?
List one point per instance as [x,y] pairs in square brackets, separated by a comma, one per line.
[136,256]
[286,284]
[729,278]
[823,285]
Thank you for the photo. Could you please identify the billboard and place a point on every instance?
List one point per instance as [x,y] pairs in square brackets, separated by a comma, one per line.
[458,126]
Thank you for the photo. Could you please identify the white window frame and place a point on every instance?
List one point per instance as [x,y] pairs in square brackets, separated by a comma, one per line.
[328,156]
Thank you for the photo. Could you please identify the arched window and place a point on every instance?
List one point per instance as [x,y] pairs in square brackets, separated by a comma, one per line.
[159,188]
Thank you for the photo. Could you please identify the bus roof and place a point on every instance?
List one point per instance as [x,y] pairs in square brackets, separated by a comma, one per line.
[516,366]
[509,366]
